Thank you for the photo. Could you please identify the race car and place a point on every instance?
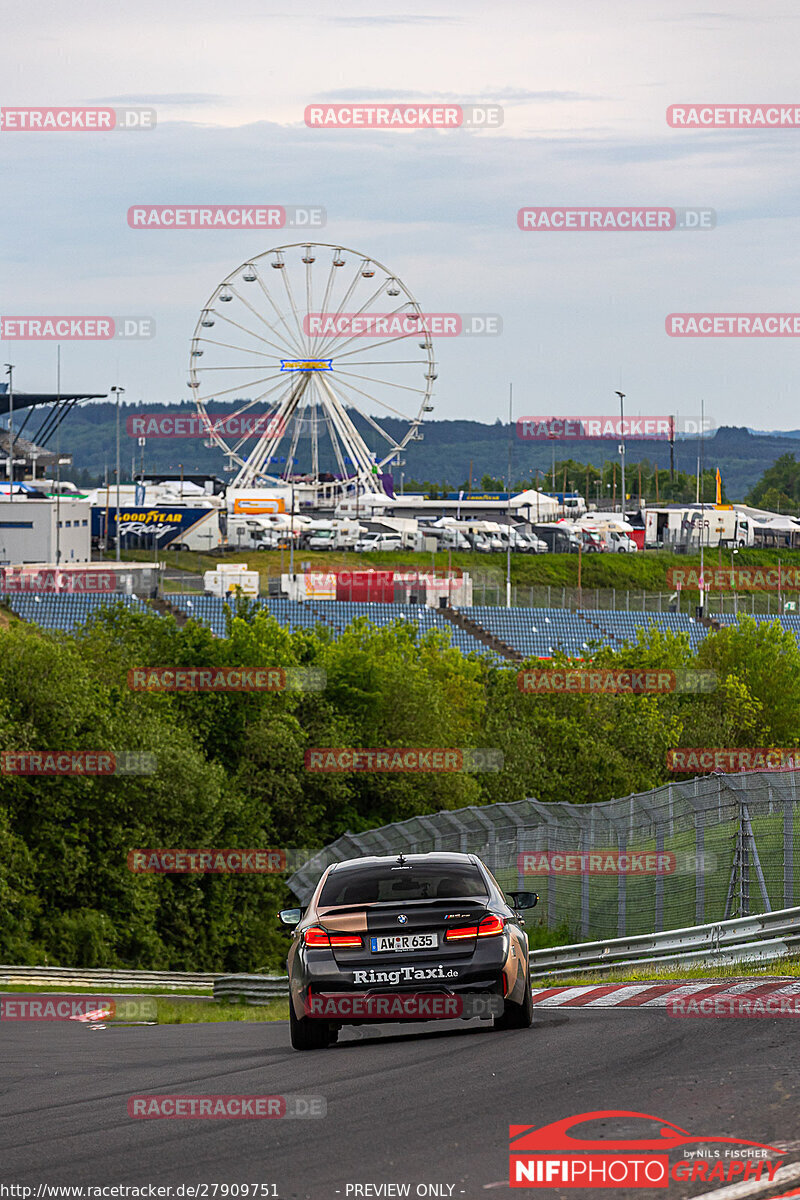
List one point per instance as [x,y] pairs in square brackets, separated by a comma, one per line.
[406,937]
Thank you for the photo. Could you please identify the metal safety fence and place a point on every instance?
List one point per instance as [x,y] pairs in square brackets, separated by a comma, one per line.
[711,849]
[490,589]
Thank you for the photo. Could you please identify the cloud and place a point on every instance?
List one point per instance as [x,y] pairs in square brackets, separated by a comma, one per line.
[504,95]
[396,19]
[167,98]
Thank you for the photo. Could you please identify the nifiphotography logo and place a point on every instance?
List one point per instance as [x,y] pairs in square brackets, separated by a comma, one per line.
[554,1156]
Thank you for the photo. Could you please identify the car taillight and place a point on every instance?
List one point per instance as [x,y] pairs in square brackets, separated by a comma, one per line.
[315,935]
[489,927]
[345,939]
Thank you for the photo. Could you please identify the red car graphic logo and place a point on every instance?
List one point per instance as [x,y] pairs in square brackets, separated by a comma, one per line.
[555,1137]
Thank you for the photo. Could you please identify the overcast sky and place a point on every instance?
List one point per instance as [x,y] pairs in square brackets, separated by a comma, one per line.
[585,88]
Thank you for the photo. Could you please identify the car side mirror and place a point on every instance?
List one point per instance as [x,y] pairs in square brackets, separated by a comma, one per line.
[520,900]
[291,916]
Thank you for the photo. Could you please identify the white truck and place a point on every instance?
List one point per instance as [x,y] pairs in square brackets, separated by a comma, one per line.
[695,525]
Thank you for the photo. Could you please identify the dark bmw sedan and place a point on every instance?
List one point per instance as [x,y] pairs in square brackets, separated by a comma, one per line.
[411,937]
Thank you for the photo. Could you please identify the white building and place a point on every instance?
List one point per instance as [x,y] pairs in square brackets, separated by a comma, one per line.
[45,531]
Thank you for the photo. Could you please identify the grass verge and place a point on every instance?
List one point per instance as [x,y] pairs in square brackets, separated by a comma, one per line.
[784,968]
[190,1012]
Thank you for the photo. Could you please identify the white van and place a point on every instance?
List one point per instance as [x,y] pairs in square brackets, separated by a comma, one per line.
[372,542]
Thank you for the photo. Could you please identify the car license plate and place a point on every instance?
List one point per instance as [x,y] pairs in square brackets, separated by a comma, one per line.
[402,943]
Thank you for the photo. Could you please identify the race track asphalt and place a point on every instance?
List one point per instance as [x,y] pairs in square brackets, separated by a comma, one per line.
[428,1105]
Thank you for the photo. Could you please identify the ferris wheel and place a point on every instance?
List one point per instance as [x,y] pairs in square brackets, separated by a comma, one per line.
[322,360]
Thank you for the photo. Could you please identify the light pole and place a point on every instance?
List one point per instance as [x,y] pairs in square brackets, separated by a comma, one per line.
[10,374]
[733,585]
[702,504]
[508,499]
[118,391]
[58,463]
[291,538]
[622,445]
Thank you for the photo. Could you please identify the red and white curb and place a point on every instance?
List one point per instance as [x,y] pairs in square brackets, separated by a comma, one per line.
[657,995]
[95,1018]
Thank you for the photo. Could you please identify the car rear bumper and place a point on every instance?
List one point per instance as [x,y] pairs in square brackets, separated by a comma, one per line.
[318,973]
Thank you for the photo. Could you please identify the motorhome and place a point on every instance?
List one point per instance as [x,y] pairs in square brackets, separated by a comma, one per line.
[448,532]
[333,535]
[558,538]
[522,539]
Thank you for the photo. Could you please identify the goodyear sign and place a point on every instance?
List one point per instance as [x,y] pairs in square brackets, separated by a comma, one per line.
[160,522]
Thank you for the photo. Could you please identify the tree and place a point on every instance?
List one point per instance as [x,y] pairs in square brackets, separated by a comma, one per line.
[779,486]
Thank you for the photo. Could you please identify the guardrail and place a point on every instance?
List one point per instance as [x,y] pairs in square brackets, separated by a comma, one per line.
[722,942]
[762,938]
[170,981]
[253,989]
[739,940]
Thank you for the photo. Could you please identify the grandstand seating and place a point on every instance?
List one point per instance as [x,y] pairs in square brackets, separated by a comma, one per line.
[66,610]
[532,632]
[332,614]
[616,628]
[535,632]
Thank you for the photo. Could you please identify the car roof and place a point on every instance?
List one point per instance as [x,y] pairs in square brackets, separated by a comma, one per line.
[439,856]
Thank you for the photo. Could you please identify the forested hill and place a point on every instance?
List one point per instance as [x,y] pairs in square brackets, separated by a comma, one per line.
[443,456]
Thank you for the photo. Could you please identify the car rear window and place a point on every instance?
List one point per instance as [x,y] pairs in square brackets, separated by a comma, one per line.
[390,883]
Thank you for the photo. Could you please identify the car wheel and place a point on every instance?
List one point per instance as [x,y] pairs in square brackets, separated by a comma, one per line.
[308,1034]
[517,1016]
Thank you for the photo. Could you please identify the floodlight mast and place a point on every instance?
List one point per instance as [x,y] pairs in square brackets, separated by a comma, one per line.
[622,445]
